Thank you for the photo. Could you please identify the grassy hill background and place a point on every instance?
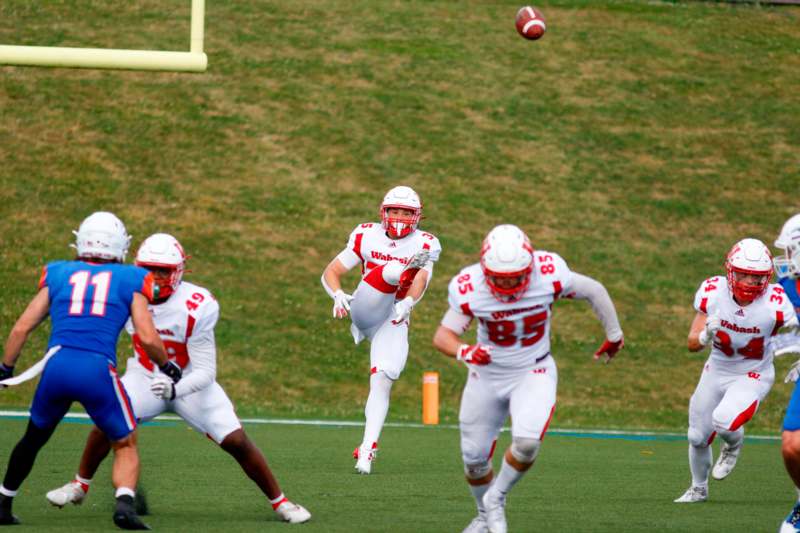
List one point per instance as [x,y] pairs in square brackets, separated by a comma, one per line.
[639,141]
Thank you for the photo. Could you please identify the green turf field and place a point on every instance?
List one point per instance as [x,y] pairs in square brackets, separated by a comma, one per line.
[586,484]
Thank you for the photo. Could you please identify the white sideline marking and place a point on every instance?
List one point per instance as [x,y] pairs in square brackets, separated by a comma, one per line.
[350,423]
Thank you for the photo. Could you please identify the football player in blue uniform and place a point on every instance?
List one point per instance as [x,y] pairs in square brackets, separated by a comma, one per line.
[787,267]
[88,300]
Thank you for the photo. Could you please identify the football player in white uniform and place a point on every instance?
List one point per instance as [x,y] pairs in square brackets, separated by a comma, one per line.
[396,262]
[511,371]
[738,314]
[184,315]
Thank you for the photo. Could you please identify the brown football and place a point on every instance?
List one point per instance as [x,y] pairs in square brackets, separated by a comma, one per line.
[530,23]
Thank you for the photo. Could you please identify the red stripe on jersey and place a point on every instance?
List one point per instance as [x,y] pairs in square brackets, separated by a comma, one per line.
[375,279]
[189,326]
[357,246]
[711,438]
[778,322]
[148,287]
[547,424]
[373,370]
[491,452]
[466,310]
[371,265]
[703,305]
[556,289]
[744,416]
[43,277]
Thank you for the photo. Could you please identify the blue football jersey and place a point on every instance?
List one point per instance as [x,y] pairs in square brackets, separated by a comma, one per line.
[790,285]
[90,303]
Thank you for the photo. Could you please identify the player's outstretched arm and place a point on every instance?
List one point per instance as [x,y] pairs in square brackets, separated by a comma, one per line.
[146,330]
[586,288]
[33,315]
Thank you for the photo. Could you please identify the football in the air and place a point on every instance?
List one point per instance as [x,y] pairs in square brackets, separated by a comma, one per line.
[530,23]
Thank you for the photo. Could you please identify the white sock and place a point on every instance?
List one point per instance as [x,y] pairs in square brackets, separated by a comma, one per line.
[733,439]
[477,492]
[700,459]
[506,479]
[380,388]
[125,491]
[276,502]
[83,482]
[5,492]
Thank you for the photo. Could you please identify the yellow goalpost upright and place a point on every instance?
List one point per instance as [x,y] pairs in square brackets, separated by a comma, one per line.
[194,60]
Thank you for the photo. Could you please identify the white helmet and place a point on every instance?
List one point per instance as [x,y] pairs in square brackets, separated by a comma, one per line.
[161,250]
[748,256]
[102,236]
[788,265]
[507,253]
[404,198]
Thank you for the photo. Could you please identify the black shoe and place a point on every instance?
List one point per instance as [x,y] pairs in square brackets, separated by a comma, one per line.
[6,518]
[125,516]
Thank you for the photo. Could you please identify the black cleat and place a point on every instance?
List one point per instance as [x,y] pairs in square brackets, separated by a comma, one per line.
[6,518]
[125,516]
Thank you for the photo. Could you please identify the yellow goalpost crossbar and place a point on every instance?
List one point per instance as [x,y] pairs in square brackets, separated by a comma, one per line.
[194,60]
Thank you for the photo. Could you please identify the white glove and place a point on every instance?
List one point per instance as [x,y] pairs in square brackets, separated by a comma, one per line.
[341,303]
[402,309]
[793,373]
[713,323]
[163,388]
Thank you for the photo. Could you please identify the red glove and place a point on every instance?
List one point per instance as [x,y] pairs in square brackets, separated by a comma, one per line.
[476,354]
[609,349]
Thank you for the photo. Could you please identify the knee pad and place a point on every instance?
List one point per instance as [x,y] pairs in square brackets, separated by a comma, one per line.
[477,470]
[697,438]
[525,450]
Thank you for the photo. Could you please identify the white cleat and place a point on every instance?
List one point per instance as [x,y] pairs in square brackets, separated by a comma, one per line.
[726,461]
[364,456]
[72,492]
[693,495]
[419,260]
[292,513]
[495,512]
[478,525]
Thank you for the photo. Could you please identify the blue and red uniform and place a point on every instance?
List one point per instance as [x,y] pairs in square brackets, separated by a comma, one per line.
[89,305]
[791,421]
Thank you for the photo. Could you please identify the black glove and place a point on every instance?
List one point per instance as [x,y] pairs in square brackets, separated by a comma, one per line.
[172,370]
[6,371]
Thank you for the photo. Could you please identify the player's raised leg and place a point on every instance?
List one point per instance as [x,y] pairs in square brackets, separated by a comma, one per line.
[374,298]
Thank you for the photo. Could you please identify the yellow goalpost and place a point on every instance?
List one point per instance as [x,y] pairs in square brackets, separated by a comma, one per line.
[194,60]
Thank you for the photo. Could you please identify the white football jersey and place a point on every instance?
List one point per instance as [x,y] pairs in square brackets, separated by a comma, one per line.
[369,245]
[519,331]
[185,320]
[746,333]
